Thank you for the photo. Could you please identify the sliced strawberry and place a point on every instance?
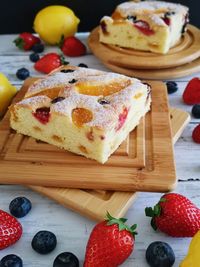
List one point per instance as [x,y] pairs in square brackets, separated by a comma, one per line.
[191,95]
[49,62]
[26,41]
[72,47]
[122,118]
[167,21]
[144,27]
[42,115]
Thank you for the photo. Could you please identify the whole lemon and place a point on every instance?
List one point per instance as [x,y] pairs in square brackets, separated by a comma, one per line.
[7,91]
[54,21]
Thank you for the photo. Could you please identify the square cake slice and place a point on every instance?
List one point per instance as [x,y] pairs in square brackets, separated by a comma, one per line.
[85,111]
[147,25]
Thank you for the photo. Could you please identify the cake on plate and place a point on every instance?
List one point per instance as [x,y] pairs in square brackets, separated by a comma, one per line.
[85,111]
[153,26]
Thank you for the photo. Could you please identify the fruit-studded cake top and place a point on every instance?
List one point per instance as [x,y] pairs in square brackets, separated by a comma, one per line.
[86,96]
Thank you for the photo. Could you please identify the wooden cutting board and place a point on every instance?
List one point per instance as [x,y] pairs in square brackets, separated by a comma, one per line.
[181,60]
[25,161]
[94,204]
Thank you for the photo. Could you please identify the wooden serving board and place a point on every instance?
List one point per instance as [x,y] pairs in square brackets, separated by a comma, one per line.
[181,60]
[94,204]
[25,161]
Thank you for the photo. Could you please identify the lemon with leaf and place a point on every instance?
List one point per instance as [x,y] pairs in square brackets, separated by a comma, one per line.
[53,22]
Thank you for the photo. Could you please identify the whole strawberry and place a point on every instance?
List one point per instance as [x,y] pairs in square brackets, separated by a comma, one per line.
[26,41]
[191,95]
[175,215]
[49,62]
[196,134]
[10,230]
[110,244]
[72,47]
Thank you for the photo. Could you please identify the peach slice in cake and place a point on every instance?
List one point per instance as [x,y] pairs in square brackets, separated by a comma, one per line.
[85,111]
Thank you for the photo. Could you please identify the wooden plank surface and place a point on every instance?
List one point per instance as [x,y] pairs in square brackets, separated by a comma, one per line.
[40,166]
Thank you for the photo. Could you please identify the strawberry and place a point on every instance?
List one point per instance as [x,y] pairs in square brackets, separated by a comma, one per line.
[10,230]
[49,62]
[72,47]
[26,41]
[42,115]
[191,95]
[110,243]
[122,118]
[196,134]
[175,215]
[144,27]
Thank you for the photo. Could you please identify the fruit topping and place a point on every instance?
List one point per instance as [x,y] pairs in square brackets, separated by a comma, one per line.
[10,230]
[34,57]
[103,101]
[90,135]
[122,119]
[67,70]
[11,260]
[103,27]
[38,48]
[73,81]
[26,41]
[20,207]
[44,242]
[72,47]
[191,95]
[185,24]
[57,99]
[172,87]
[160,254]
[196,135]
[42,115]
[81,116]
[82,65]
[196,111]
[144,27]
[49,62]
[22,73]
[66,259]
[132,18]
[175,215]
[167,21]
[110,243]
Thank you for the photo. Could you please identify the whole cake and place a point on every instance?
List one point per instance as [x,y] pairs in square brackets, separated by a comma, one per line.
[148,25]
[85,111]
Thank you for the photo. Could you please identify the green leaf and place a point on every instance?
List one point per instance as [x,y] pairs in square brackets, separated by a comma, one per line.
[157,210]
[162,200]
[149,212]
[153,225]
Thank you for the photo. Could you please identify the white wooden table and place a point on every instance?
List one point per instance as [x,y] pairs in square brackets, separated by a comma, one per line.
[73,230]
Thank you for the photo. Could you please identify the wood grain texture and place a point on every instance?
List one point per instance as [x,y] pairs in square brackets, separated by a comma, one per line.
[150,65]
[17,150]
[95,204]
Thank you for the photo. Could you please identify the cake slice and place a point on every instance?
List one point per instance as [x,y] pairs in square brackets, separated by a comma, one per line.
[147,25]
[85,111]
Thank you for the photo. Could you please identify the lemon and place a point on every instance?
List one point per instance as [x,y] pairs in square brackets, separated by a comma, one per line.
[54,21]
[7,91]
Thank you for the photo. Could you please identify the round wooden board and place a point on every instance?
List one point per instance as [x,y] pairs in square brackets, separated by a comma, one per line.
[161,74]
[187,50]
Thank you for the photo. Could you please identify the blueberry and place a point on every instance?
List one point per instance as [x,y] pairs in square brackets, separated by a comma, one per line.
[160,254]
[34,57]
[11,260]
[103,101]
[22,74]
[57,99]
[172,87]
[44,242]
[196,111]
[66,259]
[38,48]
[20,207]
[73,81]
[133,18]
[67,70]
[82,65]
